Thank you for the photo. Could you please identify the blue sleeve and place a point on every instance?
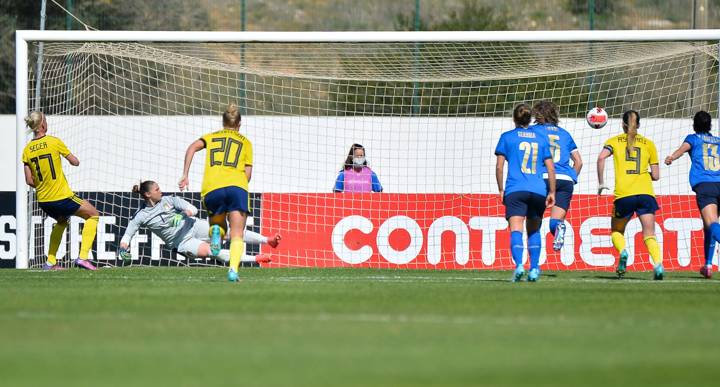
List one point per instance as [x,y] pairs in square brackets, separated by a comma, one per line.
[690,139]
[376,187]
[500,148]
[340,182]
[545,150]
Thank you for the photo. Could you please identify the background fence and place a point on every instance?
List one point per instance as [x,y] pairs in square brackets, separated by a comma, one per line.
[347,15]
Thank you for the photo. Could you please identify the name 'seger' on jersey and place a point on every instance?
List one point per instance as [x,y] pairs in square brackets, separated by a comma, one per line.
[228,153]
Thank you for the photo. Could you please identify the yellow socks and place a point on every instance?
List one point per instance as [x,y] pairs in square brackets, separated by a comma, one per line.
[654,249]
[222,232]
[618,240]
[237,249]
[55,238]
[651,243]
[88,236]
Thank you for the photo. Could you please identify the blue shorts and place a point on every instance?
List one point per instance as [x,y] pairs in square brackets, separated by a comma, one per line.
[523,203]
[639,204]
[563,193]
[227,199]
[706,193]
[61,209]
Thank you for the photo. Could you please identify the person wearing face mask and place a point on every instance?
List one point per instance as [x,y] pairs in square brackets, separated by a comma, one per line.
[356,176]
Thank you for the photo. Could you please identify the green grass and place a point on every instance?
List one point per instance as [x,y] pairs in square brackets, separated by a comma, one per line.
[355,327]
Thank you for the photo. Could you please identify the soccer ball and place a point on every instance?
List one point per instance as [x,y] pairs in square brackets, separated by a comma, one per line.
[597,117]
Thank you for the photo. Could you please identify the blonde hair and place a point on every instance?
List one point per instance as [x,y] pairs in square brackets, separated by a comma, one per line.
[632,126]
[34,120]
[231,117]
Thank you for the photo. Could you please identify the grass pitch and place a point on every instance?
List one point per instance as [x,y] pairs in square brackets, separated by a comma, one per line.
[355,327]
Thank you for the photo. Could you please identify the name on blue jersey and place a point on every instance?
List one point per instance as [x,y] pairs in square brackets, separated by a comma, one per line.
[526,134]
[709,139]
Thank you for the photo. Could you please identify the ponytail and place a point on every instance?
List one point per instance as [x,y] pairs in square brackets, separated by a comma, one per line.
[142,188]
[631,119]
[522,115]
[231,117]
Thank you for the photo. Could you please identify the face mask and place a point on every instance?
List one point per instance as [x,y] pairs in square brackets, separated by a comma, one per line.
[358,161]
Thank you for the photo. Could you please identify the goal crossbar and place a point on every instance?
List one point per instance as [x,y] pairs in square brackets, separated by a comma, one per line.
[23,37]
[368,36]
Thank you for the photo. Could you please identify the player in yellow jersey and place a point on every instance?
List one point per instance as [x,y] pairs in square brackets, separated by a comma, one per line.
[43,171]
[228,169]
[636,167]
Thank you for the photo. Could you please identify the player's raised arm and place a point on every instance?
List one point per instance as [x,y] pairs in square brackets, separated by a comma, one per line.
[550,198]
[183,205]
[130,230]
[604,154]
[72,159]
[681,150]
[133,226]
[577,161]
[195,147]
[499,171]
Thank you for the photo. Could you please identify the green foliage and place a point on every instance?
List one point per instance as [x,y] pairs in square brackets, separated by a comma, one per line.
[472,16]
[602,7]
[469,16]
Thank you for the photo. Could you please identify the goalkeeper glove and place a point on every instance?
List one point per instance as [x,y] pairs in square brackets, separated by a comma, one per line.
[176,219]
[125,256]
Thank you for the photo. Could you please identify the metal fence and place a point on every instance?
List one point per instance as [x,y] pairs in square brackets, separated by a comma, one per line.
[348,15]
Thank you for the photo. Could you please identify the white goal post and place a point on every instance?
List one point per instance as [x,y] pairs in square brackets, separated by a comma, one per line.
[23,83]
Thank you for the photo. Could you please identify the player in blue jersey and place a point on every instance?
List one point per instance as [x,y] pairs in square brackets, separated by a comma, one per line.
[562,149]
[704,180]
[525,193]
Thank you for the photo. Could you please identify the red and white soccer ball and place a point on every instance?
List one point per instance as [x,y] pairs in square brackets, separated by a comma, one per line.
[597,118]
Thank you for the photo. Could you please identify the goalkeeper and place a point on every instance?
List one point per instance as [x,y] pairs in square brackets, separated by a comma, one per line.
[172,219]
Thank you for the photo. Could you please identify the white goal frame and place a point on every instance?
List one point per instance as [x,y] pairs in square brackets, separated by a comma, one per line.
[24,37]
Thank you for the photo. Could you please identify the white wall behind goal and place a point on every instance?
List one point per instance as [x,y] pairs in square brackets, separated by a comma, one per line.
[304,154]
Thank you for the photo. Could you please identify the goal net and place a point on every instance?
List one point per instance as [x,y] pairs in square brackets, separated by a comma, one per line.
[428,114]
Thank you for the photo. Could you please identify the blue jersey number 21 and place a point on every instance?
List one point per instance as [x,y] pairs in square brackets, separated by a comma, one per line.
[529,162]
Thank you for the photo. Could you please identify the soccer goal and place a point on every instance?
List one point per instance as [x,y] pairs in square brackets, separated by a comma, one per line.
[428,108]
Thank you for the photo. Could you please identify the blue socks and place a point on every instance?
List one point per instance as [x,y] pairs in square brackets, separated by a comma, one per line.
[534,245]
[715,231]
[553,225]
[516,247]
[709,243]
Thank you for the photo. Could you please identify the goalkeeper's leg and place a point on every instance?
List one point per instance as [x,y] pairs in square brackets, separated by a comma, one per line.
[201,231]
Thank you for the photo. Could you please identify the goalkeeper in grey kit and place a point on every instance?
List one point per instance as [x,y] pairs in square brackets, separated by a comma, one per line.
[173,220]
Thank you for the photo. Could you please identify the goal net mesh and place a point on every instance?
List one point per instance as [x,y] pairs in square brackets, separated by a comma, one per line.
[428,114]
